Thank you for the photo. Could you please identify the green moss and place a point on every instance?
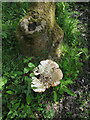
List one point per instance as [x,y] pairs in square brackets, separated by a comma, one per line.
[47,32]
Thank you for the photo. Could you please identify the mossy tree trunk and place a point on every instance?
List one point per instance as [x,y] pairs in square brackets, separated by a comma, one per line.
[38,33]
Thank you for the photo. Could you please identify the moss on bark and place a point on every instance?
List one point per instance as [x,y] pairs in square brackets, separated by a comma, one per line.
[38,33]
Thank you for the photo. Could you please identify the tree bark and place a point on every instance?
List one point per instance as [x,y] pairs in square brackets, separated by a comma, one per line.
[38,33]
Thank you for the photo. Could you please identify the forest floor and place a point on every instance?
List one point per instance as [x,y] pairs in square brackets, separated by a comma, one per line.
[78,106]
[68,107]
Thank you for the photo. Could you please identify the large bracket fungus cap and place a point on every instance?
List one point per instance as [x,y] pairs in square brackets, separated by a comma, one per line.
[47,74]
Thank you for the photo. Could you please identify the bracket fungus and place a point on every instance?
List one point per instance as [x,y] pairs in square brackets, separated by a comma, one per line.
[47,74]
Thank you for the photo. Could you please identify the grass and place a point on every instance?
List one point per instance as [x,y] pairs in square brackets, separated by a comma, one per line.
[19,101]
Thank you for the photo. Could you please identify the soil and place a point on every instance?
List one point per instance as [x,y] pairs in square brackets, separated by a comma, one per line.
[76,107]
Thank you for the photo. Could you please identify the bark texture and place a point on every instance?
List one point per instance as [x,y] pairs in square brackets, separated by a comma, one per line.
[38,33]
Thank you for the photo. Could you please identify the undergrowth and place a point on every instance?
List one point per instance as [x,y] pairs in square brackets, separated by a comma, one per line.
[19,100]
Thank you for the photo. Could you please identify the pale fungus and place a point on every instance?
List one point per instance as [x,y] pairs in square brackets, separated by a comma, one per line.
[47,74]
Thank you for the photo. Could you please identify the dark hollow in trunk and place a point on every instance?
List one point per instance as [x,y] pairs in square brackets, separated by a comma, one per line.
[38,33]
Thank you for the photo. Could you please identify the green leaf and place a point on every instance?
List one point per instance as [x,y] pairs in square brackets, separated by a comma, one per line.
[4,27]
[24,11]
[51,112]
[55,96]
[26,70]
[28,99]
[12,77]
[34,87]
[38,108]
[69,91]
[79,53]
[10,112]
[27,79]
[69,81]
[26,60]
[17,105]
[40,105]
[32,75]
[28,109]
[19,72]
[31,65]
[3,81]
[4,35]
[61,91]
[30,58]
[10,92]
[13,101]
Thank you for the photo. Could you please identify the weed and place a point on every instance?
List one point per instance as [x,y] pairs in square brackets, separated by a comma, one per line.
[19,101]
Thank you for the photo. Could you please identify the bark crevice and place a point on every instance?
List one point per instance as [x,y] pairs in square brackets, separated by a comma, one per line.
[38,33]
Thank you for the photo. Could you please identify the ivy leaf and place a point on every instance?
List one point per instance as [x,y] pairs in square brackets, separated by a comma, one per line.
[69,91]
[55,96]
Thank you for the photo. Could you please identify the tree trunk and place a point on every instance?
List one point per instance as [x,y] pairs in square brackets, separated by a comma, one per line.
[38,33]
